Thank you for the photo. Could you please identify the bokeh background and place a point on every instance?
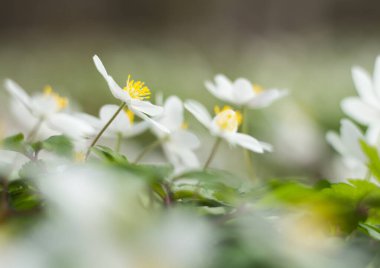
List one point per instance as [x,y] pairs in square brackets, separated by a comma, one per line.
[307,47]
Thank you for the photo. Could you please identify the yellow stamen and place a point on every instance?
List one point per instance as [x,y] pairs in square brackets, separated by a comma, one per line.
[137,89]
[80,157]
[61,102]
[130,115]
[228,119]
[257,88]
[184,125]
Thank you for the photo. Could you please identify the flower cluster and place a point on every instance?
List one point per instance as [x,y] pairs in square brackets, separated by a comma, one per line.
[364,109]
[50,114]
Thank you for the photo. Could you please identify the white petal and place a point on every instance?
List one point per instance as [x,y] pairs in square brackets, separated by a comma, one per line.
[120,123]
[199,112]
[90,119]
[116,90]
[350,135]
[265,98]
[376,76]
[71,126]
[372,135]
[172,117]
[17,92]
[185,139]
[242,91]
[146,107]
[245,141]
[222,88]
[364,85]
[151,121]
[334,140]
[136,129]
[360,111]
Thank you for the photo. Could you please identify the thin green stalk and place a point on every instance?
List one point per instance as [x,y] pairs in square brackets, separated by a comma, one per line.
[212,154]
[119,138]
[104,129]
[35,129]
[247,153]
[148,149]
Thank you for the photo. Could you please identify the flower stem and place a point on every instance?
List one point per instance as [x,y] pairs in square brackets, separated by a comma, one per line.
[247,153]
[119,138]
[34,130]
[212,154]
[148,149]
[104,129]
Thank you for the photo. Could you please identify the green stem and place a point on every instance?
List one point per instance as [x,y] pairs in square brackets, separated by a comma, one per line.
[119,138]
[104,129]
[33,132]
[212,154]
[148,149]
[247,153]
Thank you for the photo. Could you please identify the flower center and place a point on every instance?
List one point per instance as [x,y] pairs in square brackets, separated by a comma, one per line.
[257,88]
[227,119]
[137,89]
[130,115]
[61,102]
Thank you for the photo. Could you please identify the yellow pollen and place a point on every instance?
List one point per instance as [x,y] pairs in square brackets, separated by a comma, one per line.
[80,157]
[257,88]
[61,102]
[228,119]
[137,89]
[184,125]
[130,115]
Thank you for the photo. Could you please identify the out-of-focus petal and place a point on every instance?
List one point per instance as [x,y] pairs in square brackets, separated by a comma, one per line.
[242,91]
[245,141]
[199,112]
[266,98]
[146,107]
[364,86]
[360,111]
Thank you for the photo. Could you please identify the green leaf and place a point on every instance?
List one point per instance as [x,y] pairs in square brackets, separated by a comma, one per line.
[23,196]
[108,155]
[60,145]
[13,143]
[370,230]
[373,159]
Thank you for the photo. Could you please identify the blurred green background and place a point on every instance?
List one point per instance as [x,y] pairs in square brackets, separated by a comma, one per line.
[307,47]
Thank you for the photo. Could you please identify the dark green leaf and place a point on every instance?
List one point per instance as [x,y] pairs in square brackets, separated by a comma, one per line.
[60,145]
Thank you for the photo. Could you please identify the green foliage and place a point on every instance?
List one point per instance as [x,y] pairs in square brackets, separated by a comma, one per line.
[60,145]
[372,158]
[13,143]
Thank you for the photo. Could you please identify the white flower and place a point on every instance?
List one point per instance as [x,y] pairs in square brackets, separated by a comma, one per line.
[241,92]
[134,95]
[366,107]
[179,144]
[347,144]
[40,105]
[35,110]
[123,125]
[225,125]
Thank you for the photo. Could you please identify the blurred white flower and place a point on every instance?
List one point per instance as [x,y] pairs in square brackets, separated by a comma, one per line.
[225,125]
[347,144]
[40,105]
[179,144]
[134,95]
[123,125]
[366,107]
[35,111]
[242,92]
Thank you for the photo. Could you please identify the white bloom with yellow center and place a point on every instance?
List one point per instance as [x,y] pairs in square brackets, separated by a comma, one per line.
[135,95]
[123,125]
[180,143]
[225,125]
[366,107]
[242,92]
[39,105]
